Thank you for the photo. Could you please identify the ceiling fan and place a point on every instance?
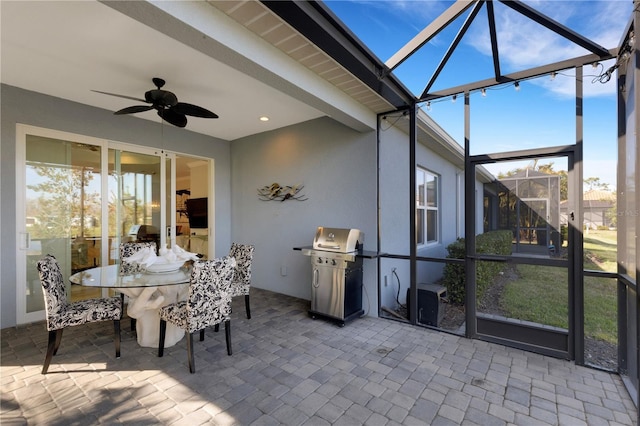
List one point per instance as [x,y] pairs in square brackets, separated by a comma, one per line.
[165,103]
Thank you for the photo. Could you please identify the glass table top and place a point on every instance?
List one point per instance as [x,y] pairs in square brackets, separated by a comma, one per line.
[110,277]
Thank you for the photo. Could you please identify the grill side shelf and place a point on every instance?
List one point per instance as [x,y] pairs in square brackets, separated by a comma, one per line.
[366,254]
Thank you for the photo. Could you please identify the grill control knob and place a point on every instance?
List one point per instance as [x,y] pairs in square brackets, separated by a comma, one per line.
[333,262]
[319,260]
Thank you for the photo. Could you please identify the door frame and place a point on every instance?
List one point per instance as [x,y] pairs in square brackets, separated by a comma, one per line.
[628,217]
[529,336]
[22,240]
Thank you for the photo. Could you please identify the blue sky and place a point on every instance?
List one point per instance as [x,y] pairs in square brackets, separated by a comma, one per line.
[542,112]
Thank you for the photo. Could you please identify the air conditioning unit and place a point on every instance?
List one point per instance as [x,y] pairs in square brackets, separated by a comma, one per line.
[431,304]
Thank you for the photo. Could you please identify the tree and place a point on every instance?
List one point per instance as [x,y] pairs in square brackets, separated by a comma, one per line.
[63,201]
[594,183]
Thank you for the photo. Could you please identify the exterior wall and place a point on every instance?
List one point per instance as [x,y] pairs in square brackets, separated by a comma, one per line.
[337,167]
[394,213]
[21,106]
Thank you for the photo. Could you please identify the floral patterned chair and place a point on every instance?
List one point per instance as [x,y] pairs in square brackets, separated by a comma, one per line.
[243,253]
[128,249]
[62,314]
[209,303]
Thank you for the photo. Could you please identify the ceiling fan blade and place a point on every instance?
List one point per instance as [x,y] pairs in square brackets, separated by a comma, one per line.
[173,117]
[134,109]
[120,96]
[193,110]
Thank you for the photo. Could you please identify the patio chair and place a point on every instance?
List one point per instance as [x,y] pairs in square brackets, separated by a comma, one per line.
[128,249]
[209,303]
[243,253]
[62,314]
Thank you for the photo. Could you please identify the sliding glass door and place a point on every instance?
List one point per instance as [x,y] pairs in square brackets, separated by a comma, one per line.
[80,197]
[60,209]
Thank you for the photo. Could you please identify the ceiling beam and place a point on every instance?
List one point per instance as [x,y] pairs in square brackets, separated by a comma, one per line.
[452,47]
[494,39]
[428,33]
[556,27]
[521,75]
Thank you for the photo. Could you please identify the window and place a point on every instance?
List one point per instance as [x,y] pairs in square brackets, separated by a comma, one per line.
[427,190]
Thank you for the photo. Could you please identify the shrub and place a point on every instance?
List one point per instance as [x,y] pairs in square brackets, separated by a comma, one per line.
[493,242]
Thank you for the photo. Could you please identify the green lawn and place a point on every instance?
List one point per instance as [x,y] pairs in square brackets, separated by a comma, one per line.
[540,293]
[601,245]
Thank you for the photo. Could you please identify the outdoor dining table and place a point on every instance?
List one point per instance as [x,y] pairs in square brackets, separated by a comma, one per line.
[147,292]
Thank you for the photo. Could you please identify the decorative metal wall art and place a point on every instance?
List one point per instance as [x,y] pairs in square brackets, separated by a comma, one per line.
[277,192]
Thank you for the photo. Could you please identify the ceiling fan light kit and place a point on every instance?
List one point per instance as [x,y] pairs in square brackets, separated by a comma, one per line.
[165,103]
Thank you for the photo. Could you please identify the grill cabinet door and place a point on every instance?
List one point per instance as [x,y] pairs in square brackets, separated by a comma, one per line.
[327,290]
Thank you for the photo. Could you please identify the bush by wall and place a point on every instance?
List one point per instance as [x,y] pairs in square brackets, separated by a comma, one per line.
[564,233]
[493,242]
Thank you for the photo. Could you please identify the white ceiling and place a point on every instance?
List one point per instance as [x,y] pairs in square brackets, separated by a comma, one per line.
[67,49]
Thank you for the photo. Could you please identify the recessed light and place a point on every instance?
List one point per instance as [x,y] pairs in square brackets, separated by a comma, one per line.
[264,118]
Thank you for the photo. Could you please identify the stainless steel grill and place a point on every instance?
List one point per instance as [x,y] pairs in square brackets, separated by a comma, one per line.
[336,280]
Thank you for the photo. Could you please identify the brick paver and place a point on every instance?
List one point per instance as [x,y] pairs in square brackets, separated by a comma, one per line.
[287,369]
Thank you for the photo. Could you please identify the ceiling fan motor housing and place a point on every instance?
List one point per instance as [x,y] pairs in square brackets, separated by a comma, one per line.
[161,98]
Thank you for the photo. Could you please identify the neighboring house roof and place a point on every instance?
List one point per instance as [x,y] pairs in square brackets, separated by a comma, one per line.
[596,199]
[599,204]
[599,195]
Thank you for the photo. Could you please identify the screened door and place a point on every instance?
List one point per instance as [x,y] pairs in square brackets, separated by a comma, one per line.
[525,286]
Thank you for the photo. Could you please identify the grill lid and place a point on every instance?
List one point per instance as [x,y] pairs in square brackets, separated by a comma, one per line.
[339,240]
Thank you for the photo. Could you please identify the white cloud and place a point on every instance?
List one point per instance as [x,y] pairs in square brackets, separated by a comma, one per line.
[563,85]
[523,44]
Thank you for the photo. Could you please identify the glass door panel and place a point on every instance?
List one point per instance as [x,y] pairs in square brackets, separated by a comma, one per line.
[62,211]
[75,211]
[134,199]
[194,210]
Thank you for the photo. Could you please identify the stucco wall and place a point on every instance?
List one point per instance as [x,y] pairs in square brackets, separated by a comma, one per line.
[21,106]
[337,167]
[394,213]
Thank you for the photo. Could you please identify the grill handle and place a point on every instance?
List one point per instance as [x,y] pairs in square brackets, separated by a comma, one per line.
[316,275]
[335,247]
